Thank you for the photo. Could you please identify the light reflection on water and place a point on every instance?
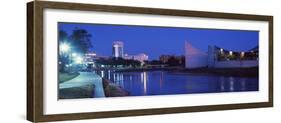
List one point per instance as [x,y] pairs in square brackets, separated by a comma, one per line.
[162,83]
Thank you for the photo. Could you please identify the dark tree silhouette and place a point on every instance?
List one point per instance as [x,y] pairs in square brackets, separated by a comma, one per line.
[113,62]
[81,40]
[63,36]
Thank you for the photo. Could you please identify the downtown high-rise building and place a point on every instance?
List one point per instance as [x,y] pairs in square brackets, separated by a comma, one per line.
[118,49]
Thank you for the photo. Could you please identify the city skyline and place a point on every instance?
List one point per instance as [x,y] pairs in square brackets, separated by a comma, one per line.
[157,41]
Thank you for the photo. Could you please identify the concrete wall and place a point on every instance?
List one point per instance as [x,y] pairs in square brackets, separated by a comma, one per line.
[211,56]
[236,64]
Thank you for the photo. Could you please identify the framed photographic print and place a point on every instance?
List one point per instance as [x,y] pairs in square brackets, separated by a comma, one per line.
[95,61]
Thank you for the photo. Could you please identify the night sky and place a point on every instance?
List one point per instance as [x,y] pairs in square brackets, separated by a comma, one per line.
[155,41]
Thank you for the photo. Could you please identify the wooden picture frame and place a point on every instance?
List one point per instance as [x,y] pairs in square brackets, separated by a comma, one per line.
[35,60]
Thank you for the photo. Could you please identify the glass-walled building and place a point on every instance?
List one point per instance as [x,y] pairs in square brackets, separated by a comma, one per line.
[223,58]
[218,57]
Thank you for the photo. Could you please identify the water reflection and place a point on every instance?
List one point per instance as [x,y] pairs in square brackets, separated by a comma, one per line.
[102,74]
[161,79]
[243,84]
[222,87]
[144,82]
[162,83]
[231,82]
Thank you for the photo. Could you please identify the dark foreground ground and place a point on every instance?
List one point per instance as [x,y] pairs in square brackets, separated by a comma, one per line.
[86,91]
[113,90]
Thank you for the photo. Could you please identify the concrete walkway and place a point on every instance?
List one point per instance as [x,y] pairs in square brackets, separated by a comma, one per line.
[85,78]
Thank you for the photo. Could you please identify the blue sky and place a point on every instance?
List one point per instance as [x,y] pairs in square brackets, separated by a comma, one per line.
[155,41]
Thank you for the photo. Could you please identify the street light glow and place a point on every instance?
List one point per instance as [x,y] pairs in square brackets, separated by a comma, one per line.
[64,47]
[78,60]
[242,54]
[74,54]
[230,53]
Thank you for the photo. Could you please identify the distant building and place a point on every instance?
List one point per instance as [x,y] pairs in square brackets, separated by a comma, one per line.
[118,52]
[128,57]
[217,57]
[166,58]
[118,49]
[92,56]
[89,57]
[223,58]
[139,57]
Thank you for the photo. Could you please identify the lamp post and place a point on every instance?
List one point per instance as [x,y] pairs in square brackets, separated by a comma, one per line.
[65,49]
[78,60]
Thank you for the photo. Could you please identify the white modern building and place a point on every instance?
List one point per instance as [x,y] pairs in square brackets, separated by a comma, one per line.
[194,58]
[118,49]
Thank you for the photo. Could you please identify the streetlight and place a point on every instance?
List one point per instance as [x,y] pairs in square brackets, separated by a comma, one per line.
[242,55]
[64,47]
[74,54]
[230,52]
[78,60]
[64,50]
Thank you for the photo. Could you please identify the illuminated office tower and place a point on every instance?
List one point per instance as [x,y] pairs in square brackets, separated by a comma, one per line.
[118,49]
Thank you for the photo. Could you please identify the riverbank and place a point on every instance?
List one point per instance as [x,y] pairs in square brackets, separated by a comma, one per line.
[113,90]
[234,72]
[85,91]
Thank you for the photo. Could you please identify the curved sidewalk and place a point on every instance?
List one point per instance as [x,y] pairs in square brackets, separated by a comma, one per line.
[85,78]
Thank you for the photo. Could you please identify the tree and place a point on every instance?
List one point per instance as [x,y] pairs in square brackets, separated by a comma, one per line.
[155,62]
[114,62]
[81,40]
[63,36]
[173,61]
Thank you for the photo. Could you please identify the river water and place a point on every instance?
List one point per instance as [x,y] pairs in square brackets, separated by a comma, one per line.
[165,83]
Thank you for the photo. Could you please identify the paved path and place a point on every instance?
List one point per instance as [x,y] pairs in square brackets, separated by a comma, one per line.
[85,78]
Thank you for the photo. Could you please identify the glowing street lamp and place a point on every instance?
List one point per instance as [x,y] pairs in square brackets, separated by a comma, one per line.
[78,60]
[230,53]
[74,54]
[242,54]
[64,47]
